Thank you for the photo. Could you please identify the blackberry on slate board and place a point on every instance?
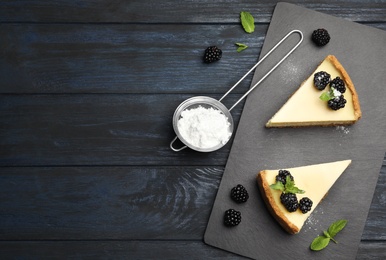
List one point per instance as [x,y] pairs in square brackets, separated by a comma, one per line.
[239,194]
[232,218]
[320,37]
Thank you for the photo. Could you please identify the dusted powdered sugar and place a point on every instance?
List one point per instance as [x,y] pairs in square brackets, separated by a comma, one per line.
[204,127]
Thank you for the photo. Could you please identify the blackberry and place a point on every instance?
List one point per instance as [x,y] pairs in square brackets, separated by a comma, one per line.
[239,194]
[289,201]
[305,205]
[212,54]
[320,37]
[232,218]
[337,102]
[338,84]
[321,80]
[283,175]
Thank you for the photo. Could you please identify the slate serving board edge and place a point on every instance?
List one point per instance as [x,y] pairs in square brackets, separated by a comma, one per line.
[367,153]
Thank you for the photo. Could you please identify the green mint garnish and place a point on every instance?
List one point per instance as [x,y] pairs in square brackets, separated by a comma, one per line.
[289,186]
[326,96]
[336,227]
[241,46]
[321,242]
[247,21]
[278,185]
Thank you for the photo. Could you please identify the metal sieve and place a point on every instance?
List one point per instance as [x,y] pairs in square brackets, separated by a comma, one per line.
[216,104]
[194,102]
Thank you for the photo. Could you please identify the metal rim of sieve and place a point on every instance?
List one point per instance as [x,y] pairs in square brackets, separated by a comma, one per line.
[217,103]
[192,103]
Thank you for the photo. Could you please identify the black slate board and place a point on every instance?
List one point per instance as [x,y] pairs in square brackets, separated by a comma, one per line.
[362,52]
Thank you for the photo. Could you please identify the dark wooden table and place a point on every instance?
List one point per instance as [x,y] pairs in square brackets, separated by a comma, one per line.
[88,90]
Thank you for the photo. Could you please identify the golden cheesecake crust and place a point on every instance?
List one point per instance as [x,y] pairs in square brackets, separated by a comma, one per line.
[349,84]
[315,179]
[271,204]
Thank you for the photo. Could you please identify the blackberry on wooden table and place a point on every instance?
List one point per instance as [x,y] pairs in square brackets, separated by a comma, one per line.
[212,54]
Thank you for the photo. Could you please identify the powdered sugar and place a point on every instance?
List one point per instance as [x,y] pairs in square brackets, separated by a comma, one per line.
[343,129]
[312,221]
[204,127]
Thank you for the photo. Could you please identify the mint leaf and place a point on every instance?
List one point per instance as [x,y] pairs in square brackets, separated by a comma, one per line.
[241,46]
[325,96]
[277,186]
[336,227]
[290,186]
[247,21]
[326,234]
[319,243]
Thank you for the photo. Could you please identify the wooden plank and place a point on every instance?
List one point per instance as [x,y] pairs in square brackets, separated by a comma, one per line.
[120,203]
[87,203]
[173,11]
[97,129]
[372,250]
[125,58]
[112,250]
[116,58]
[141,250]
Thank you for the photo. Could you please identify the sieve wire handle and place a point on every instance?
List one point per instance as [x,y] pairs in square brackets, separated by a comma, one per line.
[175,149]
[269,72]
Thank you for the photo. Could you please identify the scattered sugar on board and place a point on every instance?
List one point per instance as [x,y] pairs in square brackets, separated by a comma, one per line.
[343,129]
[313,222]
[204,127]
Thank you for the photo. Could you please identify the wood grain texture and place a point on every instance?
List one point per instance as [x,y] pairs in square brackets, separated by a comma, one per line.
[115,250]
[87,203]
[377,217]
[96,130]
[172,11]
[119,203]
[372,250]
[73,58]
[87,93]
[140,250]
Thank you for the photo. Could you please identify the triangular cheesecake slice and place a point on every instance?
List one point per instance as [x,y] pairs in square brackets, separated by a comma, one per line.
[305,108]
[315,180]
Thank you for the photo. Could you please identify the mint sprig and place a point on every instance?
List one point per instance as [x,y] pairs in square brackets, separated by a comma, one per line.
[241,46]
[289,186]
[247,21]
[326,96]
[321,242]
